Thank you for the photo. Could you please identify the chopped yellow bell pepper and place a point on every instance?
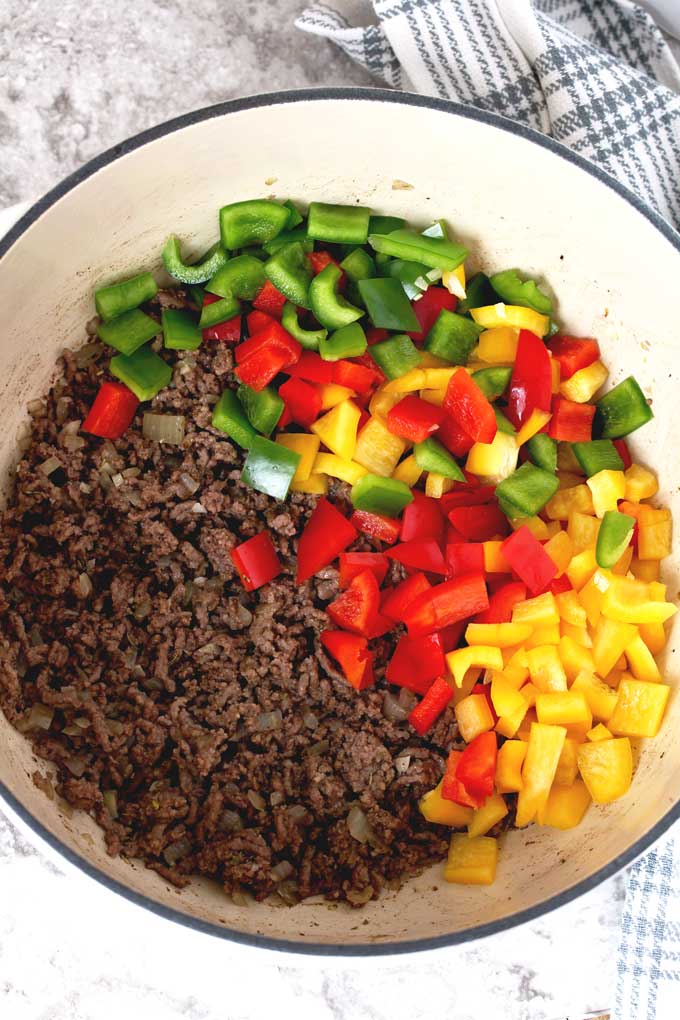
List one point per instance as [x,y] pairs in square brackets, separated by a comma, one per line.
[592,594]
[582,530]
[575,657]
[436,485]
[315,485]
[562,708]
[582,568]
[459,693]
[338,429]
[408,471]
[429,360]
[565,806]
[498,345]
[332,395]
[567,766]
[511,315]
[435,809]
[528,721]
[538,772]
[502,635]
[645,570]
[493,461]
[377,449]
[631,601]
[473,716]
[599,695]
[336,467]
[641,483]
[506,699]
[530,692]
[581,635]
[576,497]
[584,384]
[460,660]
[570,608]
[382,402]
[540,611]
[641,661]
[410,381]
[454,281]
[610,640]
[560,551]
[537,527]
[548,635]
[599,732]
[639,709]
[494,560]
[306,446]
[534,423]
[654,533]
[485,817]
[511,756]
[546,669]
[624,561]
[555,375]
[607,488]
[606,768]
[654,636]
[472,861]
[435,397]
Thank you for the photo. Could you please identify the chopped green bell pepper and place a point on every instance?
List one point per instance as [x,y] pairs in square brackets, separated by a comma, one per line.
[432,456]
[479,293]
[543,451]
[387,304]
[119,298]
[493,381]
[502,423]
[294,217]
[290,273]
[229,416]
[385,224]
[358,265]
[435,252]
[396,356]
[379,495]
[200,271]
[526,491]
[597,455]
[452,337]
[219,311]
[515,291]
[241,277]
[414,277]
[623,410]
[263,408]
[269,467]
[143,372]
[329,307]
[255,221]
[287,237]
[339,224]
[613,538]
[180,330]
[346,342]
[129,331]
[309,338]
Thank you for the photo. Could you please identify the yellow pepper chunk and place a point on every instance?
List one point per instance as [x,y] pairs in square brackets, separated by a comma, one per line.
[582,530]
[485,817]
[460,660]
[641,483]
[434,808]
[493,461]
[555,373]
[527,722]
[548,635]
[494,560]
[538,772]
[540,611]
[654,533]
[570,608]
[654,636]
[565,501]
[511,315]
[639,708]
[408,471]
[567,766]
[435,397]
[509,763]
[580,635]
[410,381]
[575,657]
[565,806]
[537,527]
[315,485]
[560,551]
[502,635]
[599,732]
[610,640]
[606,768]
[454,281]
[592,594]
[428,360]
[338,429]
[584,384]
[600,697]
[306,446]
[582,568]
[332,395]
[631,601]
[623,563]
[641,661]
[498,345]
[473,716]
[436,485]
[562,708]
[377,449]
[607,488]
[336,467]
[534,423]
[382,402]
[505,697]
[471,861]
[546,669]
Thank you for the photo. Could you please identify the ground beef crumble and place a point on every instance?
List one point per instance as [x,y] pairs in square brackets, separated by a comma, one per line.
[203,727]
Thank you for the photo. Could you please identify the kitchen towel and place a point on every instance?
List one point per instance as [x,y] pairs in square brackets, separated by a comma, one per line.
[598,76]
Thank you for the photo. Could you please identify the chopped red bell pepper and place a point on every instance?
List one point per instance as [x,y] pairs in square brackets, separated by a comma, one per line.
[476,768]
[469,408]
[464,558]
[270,300]
[428,307]
[351,652]
[560,585]
[376,525]
[259,369]
[479,523]
[112,411]
[285,419]
[379,625]
[452,436]
[227,331]
[422,519]
[375,335]
[353,563]
[355,608]
[623,452]
[571,422]
[302,400]
[446,603]
[395,604]
[431,707]
[414,419]
[416,663]
[423,554]
[256,561]
[467,495]
[318,260]
[272,335]
[366,361]
[452,536]
[502,602]
[257,321]
[531,380]
[326,534]
[452,787]
[529,560]
[451,636]
[313,368]
[354,377]
[573,353]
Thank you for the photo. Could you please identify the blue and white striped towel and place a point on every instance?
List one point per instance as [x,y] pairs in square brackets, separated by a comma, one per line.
[599,76]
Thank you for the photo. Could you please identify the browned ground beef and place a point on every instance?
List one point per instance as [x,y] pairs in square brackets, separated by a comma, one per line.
[232,742]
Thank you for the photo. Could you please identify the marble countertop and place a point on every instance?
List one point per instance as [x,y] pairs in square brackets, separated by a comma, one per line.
[74,79]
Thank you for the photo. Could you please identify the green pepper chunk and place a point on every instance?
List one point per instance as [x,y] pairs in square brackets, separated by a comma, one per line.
[119,298]
[543,451]
[493,381]
[143,372]
[219,311]
[263,408]
[200,271]
[358,265]
[287,237]
[623,410]
[329,307]
[435,252]
[241,277]
[197,294]
[269,467]
[379,495]
[526,491]
[229,416]
[387,304]
[479,293]
[452,337]
[385,224]
[255,221]
[180,330]
[613,538]
[129,331]
[432,456]
[309,338]
[339,224]
[290,273]
[396,356]
[294,217]
[413,276]
[515,291]
[503,424]
[346,342]
[597,455]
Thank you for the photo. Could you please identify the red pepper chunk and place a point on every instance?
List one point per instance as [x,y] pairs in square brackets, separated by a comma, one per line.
[529,560]
[416,663]
[531,380]
[476,768]
[469,408]
[452,436]
[352,654]
[326,534]
[623,452]
[355,608]
[464,558]
[354,377]
[395,604]
[431,707]
[422,519]
[571,422]
[302,400]
[452,787]
[451,636]
[257,321]
[376,525]
[428,307]
[573,354]
[414,419]
[446,603]
[312,367]
[259,370]
[479,523]
[318,260]
[560,584]
[467,495]
[423,555]
[112,411]
[353,563]
[226,331]
[270,300]
[375,335]
[502,602]
[256,561]
[271,336]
